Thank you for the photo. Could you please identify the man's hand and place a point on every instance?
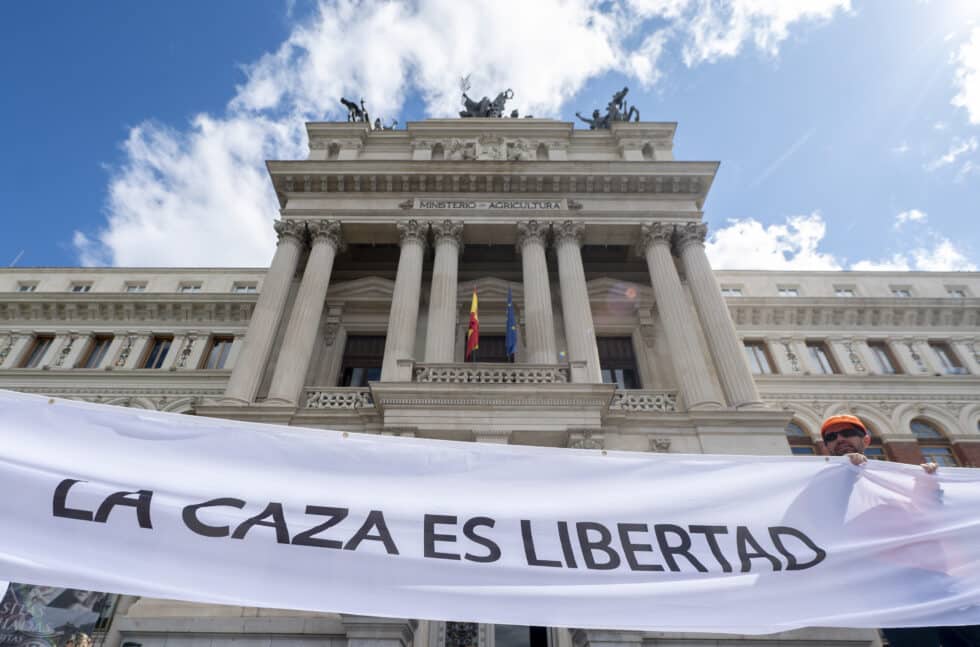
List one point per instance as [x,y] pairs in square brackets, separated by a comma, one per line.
[930,468]
[860,459]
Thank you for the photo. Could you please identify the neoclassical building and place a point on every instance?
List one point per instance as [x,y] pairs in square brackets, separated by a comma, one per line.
[628,339]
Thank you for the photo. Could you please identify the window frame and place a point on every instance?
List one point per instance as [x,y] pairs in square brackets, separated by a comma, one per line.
[40,345]
[957,292]
[881,348]
[223,355]
[935,443]
[190,287]
[80,287]
[788,291]
[732,291]
[365,362]
[901,291]
[850,290]
[25,287]
[815,344]
[948,359]
[244,287]
[753,349]
[150,356]
[617,364]
[135,287]
[93,347]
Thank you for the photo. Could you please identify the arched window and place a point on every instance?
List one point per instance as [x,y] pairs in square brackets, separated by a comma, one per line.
[933,443]
[438,152]
[647,151]
[542,152]
[799,439]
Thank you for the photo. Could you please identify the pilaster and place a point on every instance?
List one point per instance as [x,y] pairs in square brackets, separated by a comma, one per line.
[404,314]
[968,350]
[695,381]
[538,313]
[576,310]
[441,324]
[71,345]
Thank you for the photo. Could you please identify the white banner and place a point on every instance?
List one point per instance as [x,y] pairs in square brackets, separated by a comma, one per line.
[136,502]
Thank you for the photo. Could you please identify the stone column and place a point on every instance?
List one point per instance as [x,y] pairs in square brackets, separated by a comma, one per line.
[694,379]
[726,349]
[250,364]
[538,316]
[297,347]
[440,333]
[403,318]
[576,311]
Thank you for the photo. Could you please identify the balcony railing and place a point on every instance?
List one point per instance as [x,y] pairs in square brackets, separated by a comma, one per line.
[635,400]
[339,397]
[491,374]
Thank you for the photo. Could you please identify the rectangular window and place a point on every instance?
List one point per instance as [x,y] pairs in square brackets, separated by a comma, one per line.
[218,352]
[731,292]
[951,364]
[189,288]
[821,357]
[244,288]
[884,361]
[80,287]
[361,364]
[617,362]
[96,352]
[844,292]
[136,287]
[803,450]
[26,287]
[788,291]
[939,455]
[493,348]
[901,293]
[158,348]
[956,293]
[875,452]
[40,346]
[758,357]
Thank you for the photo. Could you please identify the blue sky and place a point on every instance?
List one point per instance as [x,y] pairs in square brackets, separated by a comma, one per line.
[848,132]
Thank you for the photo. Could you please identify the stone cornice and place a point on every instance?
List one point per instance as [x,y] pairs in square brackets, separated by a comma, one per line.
[818,314]
[115,309]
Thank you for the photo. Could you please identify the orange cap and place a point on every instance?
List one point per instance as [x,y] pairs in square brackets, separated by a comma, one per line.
[833,423]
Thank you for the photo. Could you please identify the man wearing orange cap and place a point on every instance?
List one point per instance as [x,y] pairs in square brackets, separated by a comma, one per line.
[846,435]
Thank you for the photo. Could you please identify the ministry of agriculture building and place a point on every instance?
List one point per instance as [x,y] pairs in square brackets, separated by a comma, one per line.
[628,340]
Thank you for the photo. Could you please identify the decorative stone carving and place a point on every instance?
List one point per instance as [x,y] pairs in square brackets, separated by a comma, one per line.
[448,229]
[339,398]
[330,331]
[462,634]
[126,350]
[914,354]
[574,205]
[186,351]
[656,233]
[660,445]
[319,143]
[569,230]
[410,230]
[288,183]
[490,374]
[791,357]
[853,356]
[532,230]
[520,151]
[586,439]
[457,150]
[327,230]
[406,204]
[634,400]
[289,229]
[6,347]
[491,147]
[65,351]
[690,233]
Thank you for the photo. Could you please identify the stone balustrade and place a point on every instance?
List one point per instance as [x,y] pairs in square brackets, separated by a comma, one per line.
[491,374]
[340,397]
[636,400]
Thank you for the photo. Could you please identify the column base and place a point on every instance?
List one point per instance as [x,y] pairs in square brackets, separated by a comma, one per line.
[707,405]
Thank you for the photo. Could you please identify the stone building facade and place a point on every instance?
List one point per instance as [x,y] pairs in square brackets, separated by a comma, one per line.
[628,339]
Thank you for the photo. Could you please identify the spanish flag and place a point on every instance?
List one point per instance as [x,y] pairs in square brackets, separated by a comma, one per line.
[473,331]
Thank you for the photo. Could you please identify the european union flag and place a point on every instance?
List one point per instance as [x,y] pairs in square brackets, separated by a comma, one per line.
[511,327]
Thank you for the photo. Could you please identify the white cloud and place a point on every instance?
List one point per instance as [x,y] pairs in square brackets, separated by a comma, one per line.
[901,148]
[958,148]
[748,244]
[795,245]
[199,194]
[968,77]
[912,215]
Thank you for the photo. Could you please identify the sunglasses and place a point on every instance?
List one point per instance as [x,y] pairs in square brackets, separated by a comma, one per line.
[844,433]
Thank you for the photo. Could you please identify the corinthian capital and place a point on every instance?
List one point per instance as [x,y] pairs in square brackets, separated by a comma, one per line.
[289,229]
[654,233]
[411,230]
[447,230]
[690,233]
[531,231]
[569,231]
[327,231]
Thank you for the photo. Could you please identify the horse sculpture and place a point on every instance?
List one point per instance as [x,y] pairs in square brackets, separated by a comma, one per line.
[485,107]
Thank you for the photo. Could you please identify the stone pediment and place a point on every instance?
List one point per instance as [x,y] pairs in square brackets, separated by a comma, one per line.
[605,289]
[370,288]
[491,290]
